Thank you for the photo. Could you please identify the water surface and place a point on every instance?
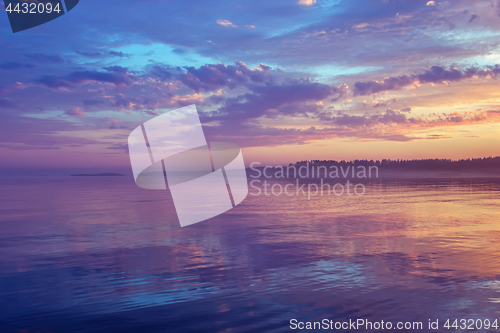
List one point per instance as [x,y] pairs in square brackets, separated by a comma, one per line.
[98,254]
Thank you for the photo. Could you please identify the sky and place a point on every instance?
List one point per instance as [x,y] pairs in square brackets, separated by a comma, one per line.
[287,80]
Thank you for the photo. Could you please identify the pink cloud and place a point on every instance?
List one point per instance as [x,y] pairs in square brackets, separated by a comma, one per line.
[226,23]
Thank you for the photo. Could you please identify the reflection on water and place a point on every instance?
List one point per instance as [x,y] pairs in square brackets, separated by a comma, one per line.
[101,255]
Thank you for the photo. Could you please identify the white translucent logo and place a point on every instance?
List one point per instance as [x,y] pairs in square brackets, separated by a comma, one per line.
[205,179]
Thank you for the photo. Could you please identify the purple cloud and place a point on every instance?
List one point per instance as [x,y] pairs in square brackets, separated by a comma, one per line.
[213,77]
[266,99]
[5,103]
[91,102]
[12,65]
[436,74]
[95,54]
[116,69]
[164,73]
[82,77]
[42,57]
[76,112]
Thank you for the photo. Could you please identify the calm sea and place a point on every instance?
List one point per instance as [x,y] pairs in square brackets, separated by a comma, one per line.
[98,254]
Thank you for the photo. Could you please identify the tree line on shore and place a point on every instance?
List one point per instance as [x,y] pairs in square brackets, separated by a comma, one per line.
[415,164]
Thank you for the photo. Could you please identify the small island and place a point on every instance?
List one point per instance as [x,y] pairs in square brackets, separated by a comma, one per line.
[108,174]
